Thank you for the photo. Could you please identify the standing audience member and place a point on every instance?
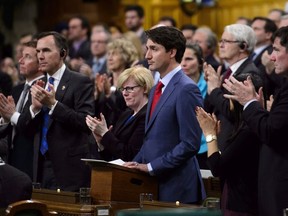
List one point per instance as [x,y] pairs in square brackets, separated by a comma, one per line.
[271,127]
[188,31]
[14,185]
[57,117]
[172,133]
[192,65]
[275,15]
[243,20]
[207,40]
[125,139]
[240,176]
[121,54]
[97,63]
[134,20]
[79,43]
[283,21]
[20,141]
[264,29]
[236,45]
[167,21]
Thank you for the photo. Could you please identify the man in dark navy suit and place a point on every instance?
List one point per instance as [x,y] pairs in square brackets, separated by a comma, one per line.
[172,133]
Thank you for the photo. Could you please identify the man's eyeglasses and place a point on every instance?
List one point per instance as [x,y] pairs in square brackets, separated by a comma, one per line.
[128,89]
[224,41]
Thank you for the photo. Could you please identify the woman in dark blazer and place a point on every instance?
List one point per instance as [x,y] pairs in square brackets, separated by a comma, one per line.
[124,140]
[237,163]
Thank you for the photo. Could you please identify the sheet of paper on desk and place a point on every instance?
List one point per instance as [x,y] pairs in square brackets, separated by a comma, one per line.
[205,173]
[116,162]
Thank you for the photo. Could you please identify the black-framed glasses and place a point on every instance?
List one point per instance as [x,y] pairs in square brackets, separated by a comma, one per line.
[128,89]
[224,41]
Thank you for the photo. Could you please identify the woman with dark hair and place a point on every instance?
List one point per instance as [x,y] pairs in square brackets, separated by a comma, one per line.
[237,163]
[192,65]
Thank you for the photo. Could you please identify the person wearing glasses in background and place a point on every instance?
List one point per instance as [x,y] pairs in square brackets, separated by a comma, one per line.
[236,45]
[126,138]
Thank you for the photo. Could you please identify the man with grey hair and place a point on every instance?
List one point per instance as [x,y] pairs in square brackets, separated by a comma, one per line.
[98,61]
[235,46]
[207,40]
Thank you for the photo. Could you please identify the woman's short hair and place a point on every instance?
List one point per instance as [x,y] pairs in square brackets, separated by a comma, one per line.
[140,74]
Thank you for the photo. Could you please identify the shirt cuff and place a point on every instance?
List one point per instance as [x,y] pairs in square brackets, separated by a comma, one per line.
[247,104]
[150,169]
[2,121]
[14,118]
[32,113]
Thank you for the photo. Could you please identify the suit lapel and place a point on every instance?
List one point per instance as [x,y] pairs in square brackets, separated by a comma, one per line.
[63,85]
[163,99]
[243,65]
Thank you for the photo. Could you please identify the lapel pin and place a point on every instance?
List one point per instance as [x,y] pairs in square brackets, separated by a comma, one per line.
[63,87]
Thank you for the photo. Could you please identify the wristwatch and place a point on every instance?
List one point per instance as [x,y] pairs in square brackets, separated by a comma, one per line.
[210,138]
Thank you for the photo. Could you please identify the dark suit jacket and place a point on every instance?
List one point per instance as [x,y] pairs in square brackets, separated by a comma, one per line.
[21,147]
[68,134]
[125,139]
[103,69]
[272,128]
[172,139]
[111,107]
[257,61]
[237,166]
[14,185]
[21,144]
[83,51]
[6,84]
[271,82]
[220,105]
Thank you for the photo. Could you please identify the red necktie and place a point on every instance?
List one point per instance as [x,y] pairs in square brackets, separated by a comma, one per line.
[227,74]
[157,95]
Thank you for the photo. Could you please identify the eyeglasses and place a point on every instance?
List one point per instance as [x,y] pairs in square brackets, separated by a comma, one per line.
[224,41]
[128,89]
[99,42]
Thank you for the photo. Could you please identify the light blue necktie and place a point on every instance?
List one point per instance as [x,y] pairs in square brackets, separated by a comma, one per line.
[44,144]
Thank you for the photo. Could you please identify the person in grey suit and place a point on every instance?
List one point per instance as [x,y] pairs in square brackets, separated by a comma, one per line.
[172,133]
[271,127]
[57,118]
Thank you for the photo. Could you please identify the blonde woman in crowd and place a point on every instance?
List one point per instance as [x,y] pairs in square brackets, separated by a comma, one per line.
[126,137]
[121,54]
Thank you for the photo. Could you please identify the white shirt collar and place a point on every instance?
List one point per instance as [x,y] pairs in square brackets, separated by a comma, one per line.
[166,79]
[236,65]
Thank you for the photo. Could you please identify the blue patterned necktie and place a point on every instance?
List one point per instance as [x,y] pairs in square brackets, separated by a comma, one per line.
[44,144]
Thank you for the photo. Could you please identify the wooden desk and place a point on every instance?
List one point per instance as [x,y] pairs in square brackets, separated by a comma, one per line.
[212,186]
[67,203]
[111,182]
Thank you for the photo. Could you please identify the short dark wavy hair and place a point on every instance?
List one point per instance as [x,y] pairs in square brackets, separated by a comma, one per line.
[170,38]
